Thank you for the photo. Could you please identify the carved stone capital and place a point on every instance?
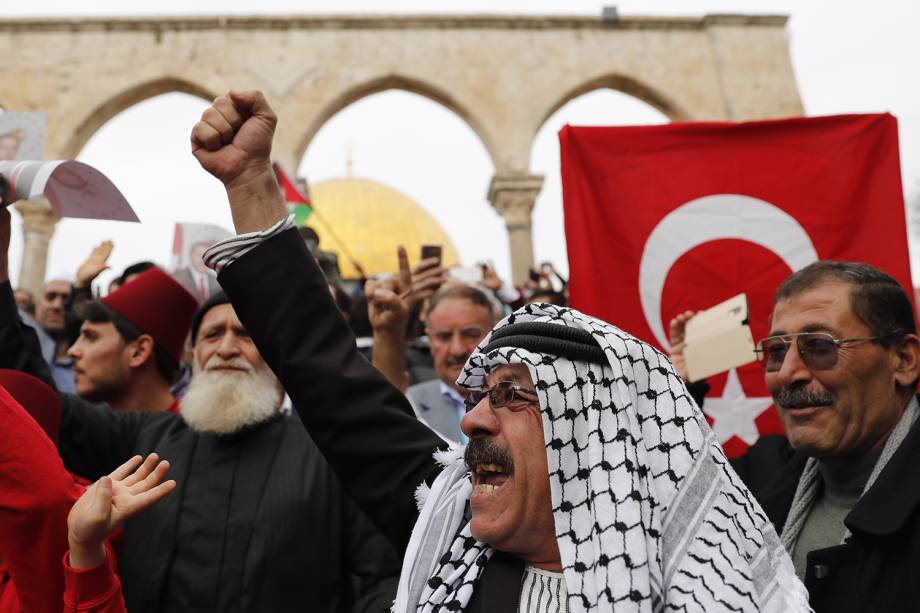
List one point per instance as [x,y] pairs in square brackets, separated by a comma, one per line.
[37,217]
[38,223]
[513,197]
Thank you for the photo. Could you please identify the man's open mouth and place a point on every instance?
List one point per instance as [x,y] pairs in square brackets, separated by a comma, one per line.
[488,477]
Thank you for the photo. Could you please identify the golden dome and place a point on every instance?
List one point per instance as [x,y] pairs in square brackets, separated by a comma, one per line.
[372,219]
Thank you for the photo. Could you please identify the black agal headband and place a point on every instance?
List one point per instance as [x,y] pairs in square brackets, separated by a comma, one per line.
[552,339]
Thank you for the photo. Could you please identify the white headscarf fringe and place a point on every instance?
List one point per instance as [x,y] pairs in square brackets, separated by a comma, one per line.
[649,515]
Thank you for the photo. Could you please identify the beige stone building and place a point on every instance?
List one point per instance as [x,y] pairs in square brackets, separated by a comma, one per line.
[503,75]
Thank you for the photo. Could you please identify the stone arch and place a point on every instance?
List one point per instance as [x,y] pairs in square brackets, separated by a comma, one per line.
[627,85]
[124,99]
[502,74]
[394,81]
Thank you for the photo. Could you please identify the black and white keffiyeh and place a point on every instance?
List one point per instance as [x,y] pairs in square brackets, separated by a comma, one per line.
[649,515]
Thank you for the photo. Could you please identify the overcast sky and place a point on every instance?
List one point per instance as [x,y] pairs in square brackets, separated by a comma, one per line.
[848,57]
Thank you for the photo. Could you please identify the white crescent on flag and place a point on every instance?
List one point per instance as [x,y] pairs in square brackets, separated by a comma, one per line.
[711,218]
[720,216]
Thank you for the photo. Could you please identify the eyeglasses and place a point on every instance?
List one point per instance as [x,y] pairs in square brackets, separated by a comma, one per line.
[819,350]
[501,394]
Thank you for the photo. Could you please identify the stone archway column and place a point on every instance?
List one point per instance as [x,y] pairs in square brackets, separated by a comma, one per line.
[38,223]
[513,196]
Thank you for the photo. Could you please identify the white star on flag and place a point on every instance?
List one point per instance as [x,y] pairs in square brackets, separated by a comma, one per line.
[734,413]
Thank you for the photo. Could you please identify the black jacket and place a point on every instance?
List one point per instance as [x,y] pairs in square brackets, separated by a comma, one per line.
[364,426]
[258,521]
[878,568]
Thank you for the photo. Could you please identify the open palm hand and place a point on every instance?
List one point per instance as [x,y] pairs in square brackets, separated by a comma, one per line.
[131,488]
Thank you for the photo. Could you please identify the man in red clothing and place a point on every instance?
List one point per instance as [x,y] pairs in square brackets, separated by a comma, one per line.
[36,495]
[130,343]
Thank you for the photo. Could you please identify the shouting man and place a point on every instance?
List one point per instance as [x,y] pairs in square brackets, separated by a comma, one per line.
[591,473]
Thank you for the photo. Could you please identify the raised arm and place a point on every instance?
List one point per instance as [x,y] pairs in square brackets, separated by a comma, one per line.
[363,425]
[677,336]
[388,313]
[19,347]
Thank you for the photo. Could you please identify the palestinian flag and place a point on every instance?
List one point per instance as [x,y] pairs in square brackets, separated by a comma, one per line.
[298,202]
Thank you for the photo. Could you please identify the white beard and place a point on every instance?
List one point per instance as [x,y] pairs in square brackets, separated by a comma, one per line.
[219,402]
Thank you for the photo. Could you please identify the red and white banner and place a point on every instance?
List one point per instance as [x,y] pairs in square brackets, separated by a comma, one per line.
[661,219]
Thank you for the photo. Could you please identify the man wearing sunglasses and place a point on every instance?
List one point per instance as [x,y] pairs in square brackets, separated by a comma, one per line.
[842,361]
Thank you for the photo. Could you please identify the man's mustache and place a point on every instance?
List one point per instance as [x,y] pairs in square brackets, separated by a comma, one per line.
[797,396]
[238,363]
[485,451]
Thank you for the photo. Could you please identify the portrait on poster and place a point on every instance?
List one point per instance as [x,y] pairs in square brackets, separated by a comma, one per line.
[22,136]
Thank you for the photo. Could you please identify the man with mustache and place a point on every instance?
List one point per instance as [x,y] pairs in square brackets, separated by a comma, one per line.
[842,361]
[457,319]
[594,483]
[258,521]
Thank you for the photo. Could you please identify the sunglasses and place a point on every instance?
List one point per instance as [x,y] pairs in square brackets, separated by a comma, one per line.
[501,394]
[819,350]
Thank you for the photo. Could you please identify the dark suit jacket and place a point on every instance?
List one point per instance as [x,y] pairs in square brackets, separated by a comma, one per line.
[434,409]
[364,426]
[258,522]
[878,568]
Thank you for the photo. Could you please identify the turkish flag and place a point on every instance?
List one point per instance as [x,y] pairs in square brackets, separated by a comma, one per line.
[662,219]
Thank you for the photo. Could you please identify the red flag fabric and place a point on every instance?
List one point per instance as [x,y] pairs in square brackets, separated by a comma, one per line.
[298,202]
[662,219]
[292,194]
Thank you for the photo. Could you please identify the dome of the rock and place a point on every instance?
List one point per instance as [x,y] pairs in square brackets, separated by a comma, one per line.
[371,220]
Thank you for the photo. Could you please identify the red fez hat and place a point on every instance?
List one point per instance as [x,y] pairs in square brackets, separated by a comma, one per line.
[42,402]
[156,304]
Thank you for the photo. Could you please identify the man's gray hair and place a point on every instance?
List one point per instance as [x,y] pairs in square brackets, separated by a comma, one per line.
[464,292]
[876,298]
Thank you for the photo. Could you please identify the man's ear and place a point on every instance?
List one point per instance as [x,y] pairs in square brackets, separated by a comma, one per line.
[907,361]
[140,351]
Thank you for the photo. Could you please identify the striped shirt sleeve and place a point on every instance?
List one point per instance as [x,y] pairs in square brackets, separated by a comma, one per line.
[225,252]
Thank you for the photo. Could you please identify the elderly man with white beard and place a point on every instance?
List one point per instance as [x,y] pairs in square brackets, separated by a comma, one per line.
[258,521]
[231,387]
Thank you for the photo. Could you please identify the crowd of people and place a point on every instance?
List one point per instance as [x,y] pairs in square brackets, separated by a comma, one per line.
[274,442]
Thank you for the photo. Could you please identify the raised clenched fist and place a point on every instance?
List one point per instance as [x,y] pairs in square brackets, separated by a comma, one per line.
[233,140]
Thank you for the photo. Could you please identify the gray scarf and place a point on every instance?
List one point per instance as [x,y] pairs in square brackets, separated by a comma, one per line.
[809,482]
